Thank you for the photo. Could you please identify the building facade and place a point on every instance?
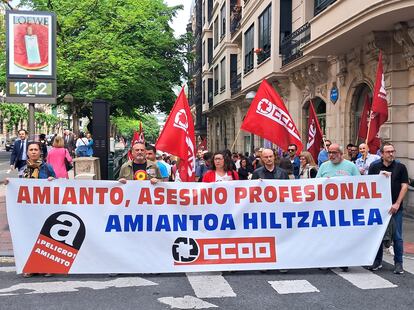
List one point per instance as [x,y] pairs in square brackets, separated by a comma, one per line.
[309,50]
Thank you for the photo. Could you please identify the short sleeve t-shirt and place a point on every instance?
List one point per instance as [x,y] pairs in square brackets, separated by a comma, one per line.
[344,168]
[140,171]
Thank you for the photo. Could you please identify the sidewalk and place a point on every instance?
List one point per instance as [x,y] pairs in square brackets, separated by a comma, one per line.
[6,248]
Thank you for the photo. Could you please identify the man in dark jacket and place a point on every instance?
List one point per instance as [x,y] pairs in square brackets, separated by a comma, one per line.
[269,169]
[18,157]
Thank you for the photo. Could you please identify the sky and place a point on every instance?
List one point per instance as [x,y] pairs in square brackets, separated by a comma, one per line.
[180,22]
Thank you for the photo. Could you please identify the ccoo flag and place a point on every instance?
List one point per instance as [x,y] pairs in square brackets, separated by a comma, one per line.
[268,118]
[137,138]
[178,137]
[363,127]
[379,110]
[314,133]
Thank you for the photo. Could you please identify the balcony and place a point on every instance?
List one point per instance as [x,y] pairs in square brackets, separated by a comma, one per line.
[262,54]
[235,84]
[321,5]
[235,18]
[291,46]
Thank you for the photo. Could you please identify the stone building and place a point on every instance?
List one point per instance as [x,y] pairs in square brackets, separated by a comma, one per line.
[324,51]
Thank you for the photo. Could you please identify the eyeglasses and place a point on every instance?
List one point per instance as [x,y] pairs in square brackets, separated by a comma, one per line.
[333,152]
[292,150]
[327,145]
[389,152]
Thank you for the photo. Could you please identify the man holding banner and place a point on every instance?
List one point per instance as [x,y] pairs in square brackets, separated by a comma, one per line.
[399,187]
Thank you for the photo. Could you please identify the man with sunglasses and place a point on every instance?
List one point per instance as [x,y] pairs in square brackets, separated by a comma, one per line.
[336,165]
[294,159]
[389,167]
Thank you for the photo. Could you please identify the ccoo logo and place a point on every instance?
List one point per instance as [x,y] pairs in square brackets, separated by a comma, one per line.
[185,250]
[181,120]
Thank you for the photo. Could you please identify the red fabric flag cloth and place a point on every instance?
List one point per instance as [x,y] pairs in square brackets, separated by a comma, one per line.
[137,138]
[178,137]
[315,136]
[363,127]
[379,110]
[268,118]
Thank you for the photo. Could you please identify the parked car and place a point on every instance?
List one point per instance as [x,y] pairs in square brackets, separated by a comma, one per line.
[10,144]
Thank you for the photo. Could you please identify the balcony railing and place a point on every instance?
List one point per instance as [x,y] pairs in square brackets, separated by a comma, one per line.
[321,5]
[235,18]
[291,46]
[263,55]
[235,84]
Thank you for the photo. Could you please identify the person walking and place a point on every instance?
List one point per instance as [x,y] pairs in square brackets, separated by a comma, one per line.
[69,140]
[57,156]
[82,145]
[398,173]
[18,156]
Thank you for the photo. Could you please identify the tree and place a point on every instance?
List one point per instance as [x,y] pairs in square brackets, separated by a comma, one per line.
[15,115]
[120,51]
[127,125]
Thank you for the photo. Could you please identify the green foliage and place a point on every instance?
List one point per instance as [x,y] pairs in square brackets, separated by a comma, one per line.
[123,51]
[126,126]
[14,114]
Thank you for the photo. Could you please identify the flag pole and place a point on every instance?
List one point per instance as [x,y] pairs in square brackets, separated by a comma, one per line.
[235,139]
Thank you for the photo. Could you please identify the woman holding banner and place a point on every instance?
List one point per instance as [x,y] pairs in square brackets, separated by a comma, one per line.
[308,168]
[220,171]
[36,169]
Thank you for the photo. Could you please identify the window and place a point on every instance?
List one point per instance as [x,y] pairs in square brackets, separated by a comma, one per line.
[248,49]
[210,92]
[215,76]
[223,21]
[223,74]
[203,98]
[203,53]
[209,10]
[209,51]
[265,21]
[215,30]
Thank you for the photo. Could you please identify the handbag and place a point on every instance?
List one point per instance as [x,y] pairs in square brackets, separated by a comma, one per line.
[68,165]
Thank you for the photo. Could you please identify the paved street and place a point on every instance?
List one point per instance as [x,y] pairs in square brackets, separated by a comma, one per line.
[298,289]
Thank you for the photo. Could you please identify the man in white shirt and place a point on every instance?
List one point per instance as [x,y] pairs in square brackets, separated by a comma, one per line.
[366,159]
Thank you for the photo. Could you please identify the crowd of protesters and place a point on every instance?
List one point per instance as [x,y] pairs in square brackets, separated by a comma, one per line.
[34,161]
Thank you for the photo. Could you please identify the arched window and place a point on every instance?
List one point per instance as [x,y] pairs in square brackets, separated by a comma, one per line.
[359,98]
[320,109]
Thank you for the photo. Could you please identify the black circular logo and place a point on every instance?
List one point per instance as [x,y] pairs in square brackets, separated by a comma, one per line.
[185,250]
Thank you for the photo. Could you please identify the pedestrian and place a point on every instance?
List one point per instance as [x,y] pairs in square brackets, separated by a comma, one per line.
[308,168]
[269,170]
[366,159]
[398,173]
[294,159]
[337,166]
[18,156]
[43,145]
[90,144]
[57,158]
[36,168]
[323,154]
[151,154]
[220,170]
[69,141]
[82,145]
[245,170]
[204,166]
[139,168]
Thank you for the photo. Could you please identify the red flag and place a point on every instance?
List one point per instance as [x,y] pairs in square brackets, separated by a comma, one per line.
[363,123]
[137,138]
[178,137]
[315,136]
[268,118]
[379,110]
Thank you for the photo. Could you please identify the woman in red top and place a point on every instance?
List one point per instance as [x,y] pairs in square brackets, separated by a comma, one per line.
[220,171]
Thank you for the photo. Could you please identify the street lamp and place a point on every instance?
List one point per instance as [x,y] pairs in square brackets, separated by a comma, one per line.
[249,98]
[69,100]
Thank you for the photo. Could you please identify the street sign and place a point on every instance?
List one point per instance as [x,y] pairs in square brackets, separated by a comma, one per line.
[334,94]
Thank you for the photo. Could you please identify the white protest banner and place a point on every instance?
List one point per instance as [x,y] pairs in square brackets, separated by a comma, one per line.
[64,226]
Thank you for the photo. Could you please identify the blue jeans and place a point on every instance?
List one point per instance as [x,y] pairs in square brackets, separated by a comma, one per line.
[397,239]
